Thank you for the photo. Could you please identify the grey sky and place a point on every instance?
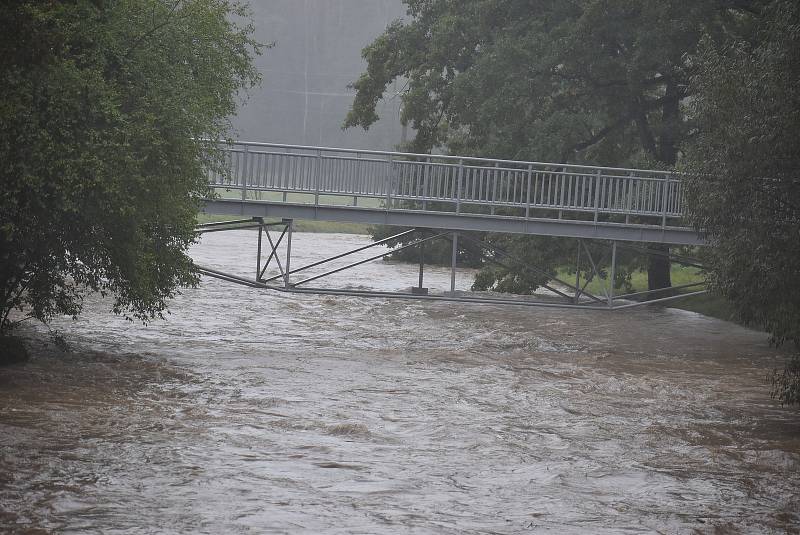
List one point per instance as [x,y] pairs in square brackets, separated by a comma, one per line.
[304,96]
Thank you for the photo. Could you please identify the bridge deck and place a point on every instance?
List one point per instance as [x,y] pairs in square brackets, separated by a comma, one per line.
[450,192]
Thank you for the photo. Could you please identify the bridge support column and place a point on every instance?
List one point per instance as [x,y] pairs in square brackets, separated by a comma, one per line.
[289,227]
[613,274]
[258,257]
[425,234]
[420,290]
[453,260]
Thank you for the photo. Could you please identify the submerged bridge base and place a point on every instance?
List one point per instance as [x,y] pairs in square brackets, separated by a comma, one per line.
[273,234]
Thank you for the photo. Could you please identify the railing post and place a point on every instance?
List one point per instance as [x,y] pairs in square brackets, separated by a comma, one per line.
[361,178]
[597,194]
[495,180]
[245,172]
[425,180]
[528,193]
[664,202]
[283,164]
[458,185]
[317,178]
[629,202]
[389,183]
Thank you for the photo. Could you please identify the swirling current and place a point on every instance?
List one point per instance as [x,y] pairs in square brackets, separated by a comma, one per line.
[251,411]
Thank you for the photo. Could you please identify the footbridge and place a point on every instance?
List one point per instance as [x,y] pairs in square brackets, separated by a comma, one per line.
[451,192]
[438,197]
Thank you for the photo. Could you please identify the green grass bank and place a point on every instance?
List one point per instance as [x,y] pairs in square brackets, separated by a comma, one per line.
[707,304]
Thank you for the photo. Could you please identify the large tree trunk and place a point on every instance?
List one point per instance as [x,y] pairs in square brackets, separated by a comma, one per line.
[659,267]
[658,272]
[670,123]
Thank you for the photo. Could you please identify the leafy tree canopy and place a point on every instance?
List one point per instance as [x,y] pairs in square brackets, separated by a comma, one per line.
[545,80]
[744,186]
[104,102]
[597,81]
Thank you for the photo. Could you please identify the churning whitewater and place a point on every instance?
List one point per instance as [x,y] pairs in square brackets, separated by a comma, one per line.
[248,411]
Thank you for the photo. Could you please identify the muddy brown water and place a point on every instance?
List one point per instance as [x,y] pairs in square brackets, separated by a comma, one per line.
[254,412]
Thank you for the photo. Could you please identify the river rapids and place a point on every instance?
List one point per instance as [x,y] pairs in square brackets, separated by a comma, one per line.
[250,411]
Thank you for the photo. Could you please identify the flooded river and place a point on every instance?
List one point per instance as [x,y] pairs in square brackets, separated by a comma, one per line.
[248,411]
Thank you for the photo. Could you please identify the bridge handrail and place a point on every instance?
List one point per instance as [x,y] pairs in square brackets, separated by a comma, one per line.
[412,181]
[438,164]
[668,174]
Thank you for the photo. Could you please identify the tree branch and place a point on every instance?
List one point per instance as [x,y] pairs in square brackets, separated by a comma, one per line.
[754,7]
[599,136]
[168,20]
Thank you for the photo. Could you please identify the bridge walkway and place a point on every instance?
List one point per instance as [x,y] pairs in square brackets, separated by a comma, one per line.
[450,192]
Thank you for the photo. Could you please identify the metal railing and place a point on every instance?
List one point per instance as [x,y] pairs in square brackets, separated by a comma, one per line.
[393,180]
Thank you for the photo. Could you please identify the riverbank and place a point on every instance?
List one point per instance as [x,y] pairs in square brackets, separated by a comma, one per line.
[708,305]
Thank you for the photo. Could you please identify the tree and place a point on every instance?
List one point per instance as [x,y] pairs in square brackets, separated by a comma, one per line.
[105,105]
[598,81]
[744,182]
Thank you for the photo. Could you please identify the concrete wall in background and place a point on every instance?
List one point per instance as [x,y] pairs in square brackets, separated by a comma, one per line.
[304,96]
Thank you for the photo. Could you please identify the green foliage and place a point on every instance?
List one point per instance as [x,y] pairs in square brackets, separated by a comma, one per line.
[786,383]
[600,81]
[438,254]
[513,257]
[104,104]
[744,187]
[510,273]
[546,80]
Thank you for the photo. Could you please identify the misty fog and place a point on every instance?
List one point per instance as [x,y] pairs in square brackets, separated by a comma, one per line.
[304,96]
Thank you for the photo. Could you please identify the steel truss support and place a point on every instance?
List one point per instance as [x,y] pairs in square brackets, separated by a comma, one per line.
[578,291]
[595,271]
[489,247]
[236,224]
[371,258]
[286,232]
[284,273]
[608,287]
[315,264]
